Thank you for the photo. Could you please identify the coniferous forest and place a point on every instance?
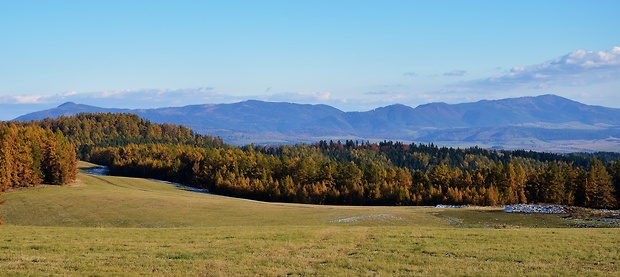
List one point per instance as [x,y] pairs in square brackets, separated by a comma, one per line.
[326,172]
[31,155]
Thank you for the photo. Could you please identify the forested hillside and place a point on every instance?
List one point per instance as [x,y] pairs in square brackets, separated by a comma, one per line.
[351,173]
[90,130]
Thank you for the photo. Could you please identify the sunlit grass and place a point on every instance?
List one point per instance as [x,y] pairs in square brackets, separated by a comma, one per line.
[106,201]
[104,226]
[298,250]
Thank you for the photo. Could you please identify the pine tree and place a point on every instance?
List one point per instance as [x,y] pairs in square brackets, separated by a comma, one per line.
[554,185]
[51,160]
[6,162]
[581,186]
[615,173]
[67,158]
[520,181]
[599,187]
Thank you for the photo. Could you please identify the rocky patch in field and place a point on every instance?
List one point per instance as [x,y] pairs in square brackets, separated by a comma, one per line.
[577,217]
[593,218]
[441,206]
[540,209]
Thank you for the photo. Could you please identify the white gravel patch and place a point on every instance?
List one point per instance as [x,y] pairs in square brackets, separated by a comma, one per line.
[366,217]
[441,206]
[535,209]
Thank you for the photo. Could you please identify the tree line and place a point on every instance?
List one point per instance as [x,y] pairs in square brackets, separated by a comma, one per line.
[352,173]
[305,174]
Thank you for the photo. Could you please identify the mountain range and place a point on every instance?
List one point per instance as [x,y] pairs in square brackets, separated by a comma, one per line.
[543,123]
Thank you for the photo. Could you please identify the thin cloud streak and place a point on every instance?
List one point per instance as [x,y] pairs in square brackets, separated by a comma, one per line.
[127,98]
[455,73]
[304,97]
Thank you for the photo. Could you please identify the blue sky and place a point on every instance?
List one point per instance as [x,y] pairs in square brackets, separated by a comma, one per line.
[354,55]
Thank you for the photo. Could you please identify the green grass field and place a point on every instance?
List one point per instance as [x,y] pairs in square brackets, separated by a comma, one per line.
[102,226]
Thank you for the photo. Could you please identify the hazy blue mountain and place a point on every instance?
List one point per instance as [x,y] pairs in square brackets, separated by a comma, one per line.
[545,108]
[246,116]
[526,122]
[68,109]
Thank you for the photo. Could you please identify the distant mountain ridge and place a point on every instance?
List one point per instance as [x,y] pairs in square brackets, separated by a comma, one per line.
[542,122]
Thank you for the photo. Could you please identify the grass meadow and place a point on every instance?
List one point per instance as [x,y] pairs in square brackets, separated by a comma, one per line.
[103,226]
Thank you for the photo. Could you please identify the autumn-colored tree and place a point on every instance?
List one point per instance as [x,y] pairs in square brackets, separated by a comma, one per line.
[598,187]
[30,155]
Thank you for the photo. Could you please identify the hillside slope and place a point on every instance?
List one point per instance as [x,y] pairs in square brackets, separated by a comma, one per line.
[109,201]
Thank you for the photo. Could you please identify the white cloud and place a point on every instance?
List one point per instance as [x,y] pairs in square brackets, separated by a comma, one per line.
[68,93]
[26,99]
[305,97]
[577,68]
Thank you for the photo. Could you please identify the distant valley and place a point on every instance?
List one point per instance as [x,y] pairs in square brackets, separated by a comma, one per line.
[543,123]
